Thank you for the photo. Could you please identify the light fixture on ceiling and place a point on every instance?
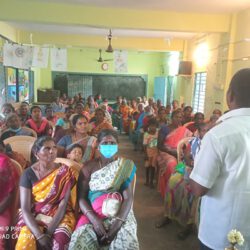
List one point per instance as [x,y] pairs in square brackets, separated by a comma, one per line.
[109,49]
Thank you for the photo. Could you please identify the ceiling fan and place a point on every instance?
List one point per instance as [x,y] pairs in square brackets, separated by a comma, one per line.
[100,57]
[109,49]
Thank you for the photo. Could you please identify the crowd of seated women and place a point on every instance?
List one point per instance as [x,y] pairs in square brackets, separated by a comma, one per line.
[75,172]
[62,208]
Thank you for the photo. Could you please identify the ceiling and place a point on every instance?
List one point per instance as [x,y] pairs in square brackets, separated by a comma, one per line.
[205,6]
[93,31]
[156,24]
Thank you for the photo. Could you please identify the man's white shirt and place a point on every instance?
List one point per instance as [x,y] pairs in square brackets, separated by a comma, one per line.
[223,166]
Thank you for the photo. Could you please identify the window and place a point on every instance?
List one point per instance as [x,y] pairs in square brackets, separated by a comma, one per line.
[199,91]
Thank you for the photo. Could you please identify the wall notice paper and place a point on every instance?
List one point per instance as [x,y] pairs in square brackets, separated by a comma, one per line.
[40,57]
[18,56]
[58,59]
[121,61]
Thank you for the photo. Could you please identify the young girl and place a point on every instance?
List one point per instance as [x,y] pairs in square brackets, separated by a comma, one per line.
[150,146]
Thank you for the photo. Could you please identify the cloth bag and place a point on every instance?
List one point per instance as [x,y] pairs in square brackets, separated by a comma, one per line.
[112,204]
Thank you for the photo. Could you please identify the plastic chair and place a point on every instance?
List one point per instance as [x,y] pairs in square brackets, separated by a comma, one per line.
[18,167]
[16,105]
[31,131]
[21,144]
[180,145]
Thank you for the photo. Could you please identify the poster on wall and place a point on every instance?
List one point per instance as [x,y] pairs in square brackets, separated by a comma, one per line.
[11,76]
[121,61]
[18,56]
[11,82]
[40,57]
[23,81]
[58,59]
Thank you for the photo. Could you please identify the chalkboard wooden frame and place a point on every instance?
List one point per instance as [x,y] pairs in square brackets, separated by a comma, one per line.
[143,76]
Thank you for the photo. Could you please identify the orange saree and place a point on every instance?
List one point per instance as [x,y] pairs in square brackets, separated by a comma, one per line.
[47,194]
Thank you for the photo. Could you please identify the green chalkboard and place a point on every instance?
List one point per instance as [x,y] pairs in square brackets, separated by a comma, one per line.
[109,86]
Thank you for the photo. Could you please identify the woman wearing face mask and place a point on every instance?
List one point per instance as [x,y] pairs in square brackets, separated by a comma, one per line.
[79,134]
[116,227]
[14,128]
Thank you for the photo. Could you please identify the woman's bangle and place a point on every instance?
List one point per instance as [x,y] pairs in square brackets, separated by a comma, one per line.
[120,219]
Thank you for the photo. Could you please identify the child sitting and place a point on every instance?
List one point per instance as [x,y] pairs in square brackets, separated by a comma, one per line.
[150,146]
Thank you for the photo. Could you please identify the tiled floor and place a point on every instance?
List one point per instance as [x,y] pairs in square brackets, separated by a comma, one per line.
[148,207]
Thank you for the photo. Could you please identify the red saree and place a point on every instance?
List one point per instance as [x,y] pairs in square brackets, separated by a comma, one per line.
[167,162]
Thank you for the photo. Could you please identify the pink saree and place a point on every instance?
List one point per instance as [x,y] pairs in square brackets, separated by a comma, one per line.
[9,178]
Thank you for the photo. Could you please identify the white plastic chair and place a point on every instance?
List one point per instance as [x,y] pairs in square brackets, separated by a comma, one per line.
[21,144]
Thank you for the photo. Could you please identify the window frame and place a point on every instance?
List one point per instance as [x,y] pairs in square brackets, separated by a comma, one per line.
[199,93]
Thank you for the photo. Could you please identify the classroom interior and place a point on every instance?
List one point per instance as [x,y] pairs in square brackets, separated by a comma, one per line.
[214,37]
[161,40]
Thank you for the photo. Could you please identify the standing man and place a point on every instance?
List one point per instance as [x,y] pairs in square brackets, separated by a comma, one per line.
[221,173]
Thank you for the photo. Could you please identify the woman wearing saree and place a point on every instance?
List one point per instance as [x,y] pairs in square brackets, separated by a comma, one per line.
[100,178]
[78,135]
[198,119]
[162,117]
[125,112]
[180,204]
[167,144]
[100,122]
[24,113]
[91,105]
[46,219]
[38,123]
[9,178]
[50,116]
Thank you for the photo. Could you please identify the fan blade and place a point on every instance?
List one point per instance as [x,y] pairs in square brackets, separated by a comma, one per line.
[107,60]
